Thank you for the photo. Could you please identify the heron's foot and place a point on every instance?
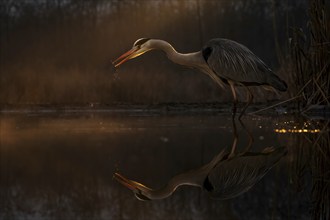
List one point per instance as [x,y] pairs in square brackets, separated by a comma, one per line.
[268,150]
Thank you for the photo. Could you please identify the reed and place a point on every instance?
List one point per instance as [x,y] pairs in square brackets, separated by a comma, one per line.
[310,155]
[320,164]
[310,58]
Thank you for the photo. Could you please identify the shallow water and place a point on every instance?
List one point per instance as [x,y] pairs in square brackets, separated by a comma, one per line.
[61,165]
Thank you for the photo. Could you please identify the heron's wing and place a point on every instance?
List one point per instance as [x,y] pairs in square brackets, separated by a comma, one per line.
[232,177]
[233,61]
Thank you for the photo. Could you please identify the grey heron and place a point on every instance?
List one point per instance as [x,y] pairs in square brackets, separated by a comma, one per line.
[223,178]
[225,61]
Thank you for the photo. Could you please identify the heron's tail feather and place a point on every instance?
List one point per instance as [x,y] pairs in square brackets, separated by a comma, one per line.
[277,83]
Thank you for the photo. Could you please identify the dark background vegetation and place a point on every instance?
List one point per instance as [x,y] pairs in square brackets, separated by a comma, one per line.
[60,51]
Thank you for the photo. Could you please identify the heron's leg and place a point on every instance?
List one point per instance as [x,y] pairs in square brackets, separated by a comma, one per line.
[233,147]
[232,87]
[249,100]
[251,139]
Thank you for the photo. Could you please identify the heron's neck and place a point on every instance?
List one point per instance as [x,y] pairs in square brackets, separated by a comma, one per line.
[188,59]
[192,178]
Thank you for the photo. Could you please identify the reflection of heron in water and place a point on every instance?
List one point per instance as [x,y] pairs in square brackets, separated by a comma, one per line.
[222,178]
[225,61]
[226,176]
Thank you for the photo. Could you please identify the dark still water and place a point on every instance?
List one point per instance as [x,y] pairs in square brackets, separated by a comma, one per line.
[61,166]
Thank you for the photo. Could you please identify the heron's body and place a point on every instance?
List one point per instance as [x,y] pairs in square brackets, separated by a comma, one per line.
[225,61]
[234,62]
[222,178]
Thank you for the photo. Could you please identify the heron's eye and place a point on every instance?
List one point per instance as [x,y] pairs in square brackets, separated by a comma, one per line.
[140,42]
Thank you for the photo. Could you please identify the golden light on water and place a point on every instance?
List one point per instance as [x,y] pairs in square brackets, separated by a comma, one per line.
[297,127]
[283,130]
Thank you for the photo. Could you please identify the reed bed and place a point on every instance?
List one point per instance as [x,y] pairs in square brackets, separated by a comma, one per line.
[310,60]
[320,164]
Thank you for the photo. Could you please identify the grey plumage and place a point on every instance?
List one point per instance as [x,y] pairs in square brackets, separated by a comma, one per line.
[233,61]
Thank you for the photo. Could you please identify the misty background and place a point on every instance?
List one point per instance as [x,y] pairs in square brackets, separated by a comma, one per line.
[60,51]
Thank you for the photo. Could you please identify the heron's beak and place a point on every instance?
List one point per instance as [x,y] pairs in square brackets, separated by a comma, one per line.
[134,52]
[138,188]
[132,185]
[124,181]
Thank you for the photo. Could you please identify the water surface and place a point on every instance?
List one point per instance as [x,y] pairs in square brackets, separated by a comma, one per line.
[60,165]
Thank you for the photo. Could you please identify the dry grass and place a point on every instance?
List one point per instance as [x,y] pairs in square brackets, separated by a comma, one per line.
[310,59]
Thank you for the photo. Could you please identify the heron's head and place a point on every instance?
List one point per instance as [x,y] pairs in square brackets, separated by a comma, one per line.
[140,191]
[140,46]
